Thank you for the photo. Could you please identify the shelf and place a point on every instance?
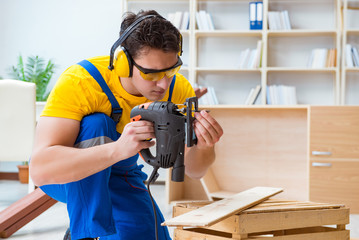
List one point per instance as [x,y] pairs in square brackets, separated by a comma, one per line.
[221,70]
[228,33]
[213,56]
[283,69]
[301,32]
[185,33]
[351,69]
[353,31]
[269,107]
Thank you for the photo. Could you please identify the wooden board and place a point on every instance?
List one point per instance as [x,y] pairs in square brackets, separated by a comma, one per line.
[215,212]
[317,234]
[23,211]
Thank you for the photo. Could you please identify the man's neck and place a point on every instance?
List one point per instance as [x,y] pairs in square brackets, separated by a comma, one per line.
[128,86]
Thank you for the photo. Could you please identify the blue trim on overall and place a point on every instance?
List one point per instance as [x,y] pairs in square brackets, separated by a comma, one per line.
[171,88]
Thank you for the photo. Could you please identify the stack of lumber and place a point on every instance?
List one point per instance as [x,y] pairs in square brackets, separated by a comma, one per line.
[270,219]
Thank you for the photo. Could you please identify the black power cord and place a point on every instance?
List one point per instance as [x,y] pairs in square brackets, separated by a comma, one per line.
[152,179]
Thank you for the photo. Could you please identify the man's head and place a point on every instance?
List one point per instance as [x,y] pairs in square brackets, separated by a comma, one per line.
[154,32]
[149,54]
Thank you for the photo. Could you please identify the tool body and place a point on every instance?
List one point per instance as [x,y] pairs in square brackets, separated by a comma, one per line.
[172,130]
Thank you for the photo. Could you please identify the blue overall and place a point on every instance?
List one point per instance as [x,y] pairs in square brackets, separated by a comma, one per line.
[112,204]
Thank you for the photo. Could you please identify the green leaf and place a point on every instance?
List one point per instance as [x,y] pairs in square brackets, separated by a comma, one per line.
[36,71]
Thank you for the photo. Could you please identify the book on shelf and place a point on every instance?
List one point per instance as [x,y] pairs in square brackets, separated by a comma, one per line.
[322,58]
[256,15]
[179,19]
[281,95]
[204,21]
[352,18]
[210,98]
[253,95]
[351,56]
[279,20]
[251,58]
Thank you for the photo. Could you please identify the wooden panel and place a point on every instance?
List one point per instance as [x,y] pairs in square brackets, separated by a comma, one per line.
[219,210]
[209,184]
[262,147]
[190,189]
[320,234]
[336,183]
[335,130]
[199,234]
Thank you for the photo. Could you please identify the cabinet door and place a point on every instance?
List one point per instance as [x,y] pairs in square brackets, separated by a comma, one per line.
[334,132]
[335,182]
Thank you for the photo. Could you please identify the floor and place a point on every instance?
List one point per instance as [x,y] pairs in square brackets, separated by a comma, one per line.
[53,223]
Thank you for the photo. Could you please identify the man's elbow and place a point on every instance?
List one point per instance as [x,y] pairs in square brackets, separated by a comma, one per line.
[196,174]
[38,176]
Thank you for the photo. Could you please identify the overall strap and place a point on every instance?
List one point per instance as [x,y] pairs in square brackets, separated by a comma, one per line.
[171,88]
[116,112]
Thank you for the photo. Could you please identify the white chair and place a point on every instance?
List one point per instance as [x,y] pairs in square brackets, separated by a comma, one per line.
[17,121]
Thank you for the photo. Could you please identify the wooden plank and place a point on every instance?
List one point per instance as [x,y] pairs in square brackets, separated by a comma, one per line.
[9,176]
[338,235]
[299,207]
[261,222]
[222,194]
[26,219]
[22,207]
[201,234]
[219,210]
[229,224]
[269,206]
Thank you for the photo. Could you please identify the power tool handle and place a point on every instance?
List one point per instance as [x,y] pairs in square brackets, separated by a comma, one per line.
[147,156]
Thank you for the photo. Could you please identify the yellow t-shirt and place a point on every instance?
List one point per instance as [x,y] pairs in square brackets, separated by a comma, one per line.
[76,94]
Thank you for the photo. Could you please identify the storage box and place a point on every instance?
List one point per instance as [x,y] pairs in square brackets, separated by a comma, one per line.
[272,219]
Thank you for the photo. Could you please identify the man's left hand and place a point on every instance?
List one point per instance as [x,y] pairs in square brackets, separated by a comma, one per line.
[207,130]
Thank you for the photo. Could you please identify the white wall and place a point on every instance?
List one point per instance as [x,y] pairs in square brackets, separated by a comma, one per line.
[65,31]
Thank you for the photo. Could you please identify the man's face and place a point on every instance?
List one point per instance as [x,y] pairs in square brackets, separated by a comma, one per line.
[157,60]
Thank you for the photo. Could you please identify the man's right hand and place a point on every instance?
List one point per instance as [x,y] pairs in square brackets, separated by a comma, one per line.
[134,137]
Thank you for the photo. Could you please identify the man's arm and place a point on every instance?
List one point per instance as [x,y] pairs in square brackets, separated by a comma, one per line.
[199,157]
[54,159]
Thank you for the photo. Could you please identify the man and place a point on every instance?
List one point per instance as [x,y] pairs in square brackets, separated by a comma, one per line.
[102,183]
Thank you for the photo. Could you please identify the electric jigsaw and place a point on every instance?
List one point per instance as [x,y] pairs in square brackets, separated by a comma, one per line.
[173,129]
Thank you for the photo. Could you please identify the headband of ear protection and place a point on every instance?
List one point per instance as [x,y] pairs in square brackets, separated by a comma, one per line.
[123,61]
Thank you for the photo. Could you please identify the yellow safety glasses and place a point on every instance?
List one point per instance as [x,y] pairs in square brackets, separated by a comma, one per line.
[158,74]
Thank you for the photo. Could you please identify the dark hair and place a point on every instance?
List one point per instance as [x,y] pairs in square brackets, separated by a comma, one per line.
[153,32]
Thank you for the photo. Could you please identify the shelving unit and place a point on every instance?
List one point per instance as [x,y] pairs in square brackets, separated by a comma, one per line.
[350,76]
[212,57]
[273,145]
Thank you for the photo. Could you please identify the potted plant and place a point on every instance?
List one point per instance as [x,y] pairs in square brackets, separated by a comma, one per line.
[24,172]
[37,71]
